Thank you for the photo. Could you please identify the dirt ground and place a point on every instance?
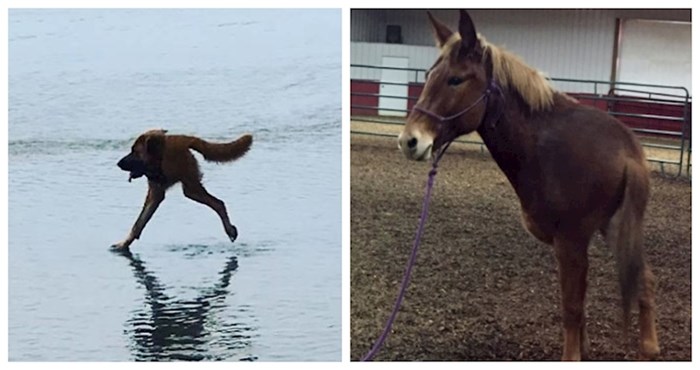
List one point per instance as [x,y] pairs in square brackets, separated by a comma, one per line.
[483,288]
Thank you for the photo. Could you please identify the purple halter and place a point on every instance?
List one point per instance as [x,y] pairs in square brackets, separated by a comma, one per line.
[493,86]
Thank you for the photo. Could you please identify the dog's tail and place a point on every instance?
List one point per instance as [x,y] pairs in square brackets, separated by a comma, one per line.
[223,152]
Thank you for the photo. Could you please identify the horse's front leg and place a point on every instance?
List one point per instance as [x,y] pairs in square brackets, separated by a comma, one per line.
[572,256]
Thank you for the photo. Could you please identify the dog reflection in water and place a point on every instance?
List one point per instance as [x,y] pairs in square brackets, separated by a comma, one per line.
[189,330]
[166,160]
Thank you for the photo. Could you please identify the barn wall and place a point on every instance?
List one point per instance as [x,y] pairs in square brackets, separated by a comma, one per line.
[656,53]
[568,43]
[366,53]
[367,25]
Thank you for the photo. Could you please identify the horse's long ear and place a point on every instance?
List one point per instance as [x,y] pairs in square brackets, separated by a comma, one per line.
[440,31]
[467,32]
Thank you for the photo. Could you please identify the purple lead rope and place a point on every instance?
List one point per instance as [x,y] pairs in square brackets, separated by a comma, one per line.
[411,260]
[493,86]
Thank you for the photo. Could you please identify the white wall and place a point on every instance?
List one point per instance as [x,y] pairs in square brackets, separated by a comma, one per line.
[656,53]
[367,25]
[367,53]
[563,43]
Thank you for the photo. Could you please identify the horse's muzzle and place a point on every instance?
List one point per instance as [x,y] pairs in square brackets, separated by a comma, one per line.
[416,147]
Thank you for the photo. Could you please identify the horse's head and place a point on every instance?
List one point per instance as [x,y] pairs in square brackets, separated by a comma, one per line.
[451,103]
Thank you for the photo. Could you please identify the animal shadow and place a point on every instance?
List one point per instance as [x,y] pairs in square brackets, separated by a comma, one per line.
[168,329]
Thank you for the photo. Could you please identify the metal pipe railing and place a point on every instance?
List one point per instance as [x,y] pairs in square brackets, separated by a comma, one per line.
[681,98]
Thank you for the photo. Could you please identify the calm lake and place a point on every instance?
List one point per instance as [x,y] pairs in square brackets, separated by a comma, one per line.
[83,84]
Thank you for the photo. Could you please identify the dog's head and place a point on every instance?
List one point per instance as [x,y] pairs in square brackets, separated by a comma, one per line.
[146,156]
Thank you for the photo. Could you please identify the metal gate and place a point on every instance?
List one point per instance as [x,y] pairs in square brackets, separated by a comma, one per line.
[659,115]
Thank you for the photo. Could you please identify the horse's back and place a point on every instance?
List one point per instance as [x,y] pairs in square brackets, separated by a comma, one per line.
[590,132]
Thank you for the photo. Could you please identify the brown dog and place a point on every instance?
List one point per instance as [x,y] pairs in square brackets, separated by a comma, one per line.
[167,160]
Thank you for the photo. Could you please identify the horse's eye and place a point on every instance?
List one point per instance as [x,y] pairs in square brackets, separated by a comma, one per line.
[454,81]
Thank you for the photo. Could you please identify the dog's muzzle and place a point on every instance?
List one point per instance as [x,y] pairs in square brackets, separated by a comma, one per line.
[135,166]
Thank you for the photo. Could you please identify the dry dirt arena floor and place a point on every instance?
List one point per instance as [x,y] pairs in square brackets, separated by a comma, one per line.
[482,287]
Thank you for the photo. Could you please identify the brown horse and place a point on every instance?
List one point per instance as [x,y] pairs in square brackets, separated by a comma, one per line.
[575,169]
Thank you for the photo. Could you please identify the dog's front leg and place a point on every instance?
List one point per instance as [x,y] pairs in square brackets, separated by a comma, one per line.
[155,196]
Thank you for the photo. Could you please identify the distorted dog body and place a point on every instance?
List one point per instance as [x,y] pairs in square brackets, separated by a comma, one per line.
[166,160]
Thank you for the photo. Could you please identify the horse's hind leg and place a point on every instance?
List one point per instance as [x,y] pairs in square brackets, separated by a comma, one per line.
[572,256]
[624,236]
[649,346]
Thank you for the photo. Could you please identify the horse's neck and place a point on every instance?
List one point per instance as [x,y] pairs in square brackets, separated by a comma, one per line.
[509,139]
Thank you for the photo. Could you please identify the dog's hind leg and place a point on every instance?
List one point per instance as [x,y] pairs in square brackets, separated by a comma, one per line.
[195,191]
[155,196]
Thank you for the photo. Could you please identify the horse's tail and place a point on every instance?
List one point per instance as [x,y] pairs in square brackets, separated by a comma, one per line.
[223,152]
[624,234]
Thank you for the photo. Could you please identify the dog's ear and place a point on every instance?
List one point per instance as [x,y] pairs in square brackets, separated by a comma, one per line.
[155,144]
[156,131]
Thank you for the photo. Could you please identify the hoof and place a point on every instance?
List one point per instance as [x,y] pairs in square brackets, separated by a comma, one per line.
[649,351]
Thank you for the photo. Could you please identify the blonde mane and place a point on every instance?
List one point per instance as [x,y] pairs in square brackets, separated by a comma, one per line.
[511,72]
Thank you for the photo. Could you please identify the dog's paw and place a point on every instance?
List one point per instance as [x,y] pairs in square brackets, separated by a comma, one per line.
[126,252]
[232,233]
[123,245]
